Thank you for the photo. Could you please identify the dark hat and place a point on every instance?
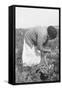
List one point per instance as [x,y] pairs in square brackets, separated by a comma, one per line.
[52,32]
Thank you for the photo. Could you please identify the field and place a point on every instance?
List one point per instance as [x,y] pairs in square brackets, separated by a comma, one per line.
[47,70]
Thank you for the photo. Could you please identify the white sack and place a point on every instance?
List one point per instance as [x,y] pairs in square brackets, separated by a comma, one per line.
[29,57]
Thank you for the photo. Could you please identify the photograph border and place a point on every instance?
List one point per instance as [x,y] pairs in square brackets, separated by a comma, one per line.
[12,42]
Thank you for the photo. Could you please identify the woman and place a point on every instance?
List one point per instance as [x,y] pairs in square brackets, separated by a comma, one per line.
[35,39]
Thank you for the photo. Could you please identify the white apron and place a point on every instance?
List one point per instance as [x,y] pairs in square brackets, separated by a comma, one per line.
[29,57]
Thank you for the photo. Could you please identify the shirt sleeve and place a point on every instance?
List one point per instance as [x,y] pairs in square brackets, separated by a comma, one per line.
[42,37]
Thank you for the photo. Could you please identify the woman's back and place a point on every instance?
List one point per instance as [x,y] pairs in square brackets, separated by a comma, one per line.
[36,35]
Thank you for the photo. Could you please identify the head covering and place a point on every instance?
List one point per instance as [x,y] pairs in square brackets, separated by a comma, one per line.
[52,32]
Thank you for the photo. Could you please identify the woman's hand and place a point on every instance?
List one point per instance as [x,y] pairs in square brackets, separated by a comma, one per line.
[37,52]
[46,50]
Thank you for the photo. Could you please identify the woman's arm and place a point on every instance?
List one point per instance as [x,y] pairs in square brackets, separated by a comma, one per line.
[45,50]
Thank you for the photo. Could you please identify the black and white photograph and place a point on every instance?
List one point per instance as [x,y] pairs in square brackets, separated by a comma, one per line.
[37,45]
